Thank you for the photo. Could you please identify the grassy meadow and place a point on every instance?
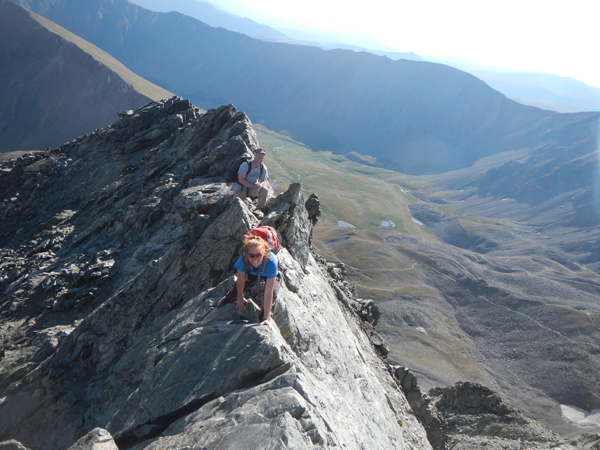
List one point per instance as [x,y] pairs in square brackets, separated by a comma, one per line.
[357,194]
[354,193]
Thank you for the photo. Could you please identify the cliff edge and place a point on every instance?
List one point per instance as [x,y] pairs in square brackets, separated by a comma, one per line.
[115,250]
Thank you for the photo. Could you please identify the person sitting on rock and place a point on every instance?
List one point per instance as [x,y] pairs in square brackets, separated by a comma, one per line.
[257,262]
[251,180]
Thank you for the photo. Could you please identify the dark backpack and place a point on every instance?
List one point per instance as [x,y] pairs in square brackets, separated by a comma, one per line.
[232,177]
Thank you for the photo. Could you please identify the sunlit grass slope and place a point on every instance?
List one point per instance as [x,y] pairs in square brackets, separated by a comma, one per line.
[357,194]
[351,192]
[140,84]
[364,196]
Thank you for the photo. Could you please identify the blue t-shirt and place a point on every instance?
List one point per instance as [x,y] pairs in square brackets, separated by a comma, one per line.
[271,269]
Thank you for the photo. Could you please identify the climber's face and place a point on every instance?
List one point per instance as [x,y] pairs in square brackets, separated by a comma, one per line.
[255,256]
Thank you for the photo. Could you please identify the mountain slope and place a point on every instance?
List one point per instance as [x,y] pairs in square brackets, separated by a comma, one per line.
[471,287]
[57,86]
[413,116]
[534,180]
[114,256]
[533,88]
[109,319]
[215,17]
[542,90]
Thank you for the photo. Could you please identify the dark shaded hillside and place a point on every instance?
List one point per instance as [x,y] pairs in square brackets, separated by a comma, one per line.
[415,117]
[215,17]
[53,91]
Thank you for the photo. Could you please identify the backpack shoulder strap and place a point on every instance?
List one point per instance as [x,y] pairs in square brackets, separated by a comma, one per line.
[263,269]
[249,162]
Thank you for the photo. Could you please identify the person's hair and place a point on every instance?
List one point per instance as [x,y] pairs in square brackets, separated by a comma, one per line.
[251,240]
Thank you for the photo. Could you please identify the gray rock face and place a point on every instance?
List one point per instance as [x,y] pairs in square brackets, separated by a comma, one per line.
[115,251]
[474,415]
[12,445]
[470,416]
[97,439]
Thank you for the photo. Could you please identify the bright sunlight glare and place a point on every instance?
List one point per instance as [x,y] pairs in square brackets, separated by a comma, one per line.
[529,35]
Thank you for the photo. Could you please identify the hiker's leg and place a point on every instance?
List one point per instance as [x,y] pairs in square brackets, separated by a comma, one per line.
[275,291]
[241,194]
[231,296]
[262,198]
[276,287]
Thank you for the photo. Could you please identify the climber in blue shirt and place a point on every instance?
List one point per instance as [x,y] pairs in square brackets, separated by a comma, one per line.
[257,262]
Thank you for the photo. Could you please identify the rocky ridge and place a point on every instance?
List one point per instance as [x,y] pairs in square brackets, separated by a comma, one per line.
[470,416]
[116,248]
[411,116]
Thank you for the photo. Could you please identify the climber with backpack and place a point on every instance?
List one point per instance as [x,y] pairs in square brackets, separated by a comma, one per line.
[251,179]
[258,262]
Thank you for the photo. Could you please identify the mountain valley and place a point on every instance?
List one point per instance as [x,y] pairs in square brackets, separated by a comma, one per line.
[476,235]
[411,116]
[460,312]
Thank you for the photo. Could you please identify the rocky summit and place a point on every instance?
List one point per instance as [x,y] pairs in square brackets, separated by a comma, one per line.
[115,250]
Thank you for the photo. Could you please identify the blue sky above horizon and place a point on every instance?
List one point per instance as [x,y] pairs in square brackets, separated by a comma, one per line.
[529,35]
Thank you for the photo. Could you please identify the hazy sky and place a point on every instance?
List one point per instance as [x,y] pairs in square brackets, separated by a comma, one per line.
[553,36]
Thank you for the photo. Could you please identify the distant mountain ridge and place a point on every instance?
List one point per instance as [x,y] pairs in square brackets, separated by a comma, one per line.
[543,87]
[53,79]
[543,90]
[212,15]
[412,116]
[215,17]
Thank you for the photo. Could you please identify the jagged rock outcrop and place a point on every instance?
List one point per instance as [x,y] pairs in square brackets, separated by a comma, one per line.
[115,251]
[434,423]
[471,416]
